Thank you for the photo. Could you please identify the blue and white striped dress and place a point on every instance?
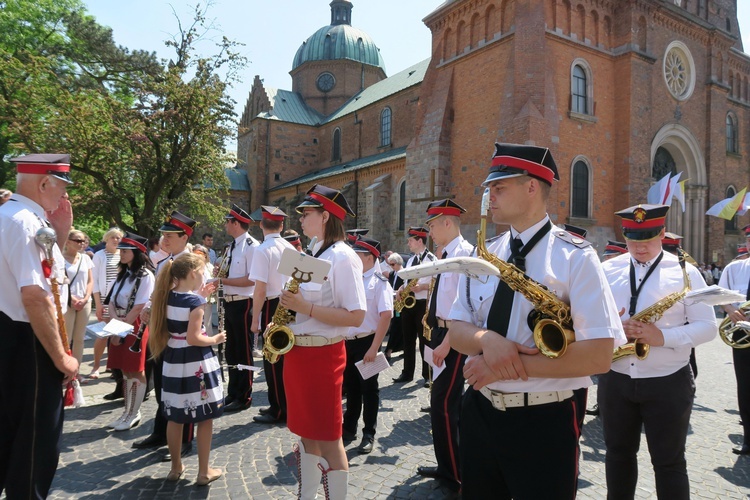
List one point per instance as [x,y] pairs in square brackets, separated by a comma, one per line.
[191,378]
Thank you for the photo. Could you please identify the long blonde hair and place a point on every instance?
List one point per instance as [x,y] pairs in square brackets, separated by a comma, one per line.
[169,275]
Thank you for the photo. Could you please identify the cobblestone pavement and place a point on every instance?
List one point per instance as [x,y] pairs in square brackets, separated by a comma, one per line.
[258,460]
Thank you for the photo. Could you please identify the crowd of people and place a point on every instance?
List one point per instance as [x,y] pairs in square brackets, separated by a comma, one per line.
[487,344]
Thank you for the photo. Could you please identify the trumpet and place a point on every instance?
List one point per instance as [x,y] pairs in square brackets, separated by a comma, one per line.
[406,300]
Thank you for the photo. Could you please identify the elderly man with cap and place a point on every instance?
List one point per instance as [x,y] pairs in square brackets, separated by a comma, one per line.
[444,224]
[655,393]
[363,344]
[736,276]
[33,354]
[238,309]
[519,415]
[411,318]
[268,285]
[176,232]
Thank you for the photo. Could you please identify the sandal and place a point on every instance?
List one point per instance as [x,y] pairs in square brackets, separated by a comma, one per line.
[94,375]
[175,476]
[213,475]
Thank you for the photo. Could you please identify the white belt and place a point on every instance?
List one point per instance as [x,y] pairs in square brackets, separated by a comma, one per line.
[315,340]
[502,401]
[232,298]
[441,323]
[360,335]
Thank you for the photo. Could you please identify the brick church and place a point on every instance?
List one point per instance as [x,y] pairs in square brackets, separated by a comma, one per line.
[621,91]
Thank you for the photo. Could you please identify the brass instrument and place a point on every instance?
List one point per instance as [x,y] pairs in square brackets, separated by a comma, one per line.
[727,329]
[426,330]
[553,324]
[279,338]
[652,314]
[406,300]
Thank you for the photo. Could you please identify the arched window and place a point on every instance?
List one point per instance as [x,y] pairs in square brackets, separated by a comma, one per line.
[731,224]
[385,127]
[580,190]
[581,88]
[336,149]
[402,206]
[732,135]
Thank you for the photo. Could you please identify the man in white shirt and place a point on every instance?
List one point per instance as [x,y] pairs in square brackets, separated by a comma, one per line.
[656,392]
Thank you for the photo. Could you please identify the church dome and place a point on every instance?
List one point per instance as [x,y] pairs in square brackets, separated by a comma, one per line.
[339,40]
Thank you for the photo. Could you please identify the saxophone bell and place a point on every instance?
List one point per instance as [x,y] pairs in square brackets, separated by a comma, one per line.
[551,337]
[279,340]
[636,348]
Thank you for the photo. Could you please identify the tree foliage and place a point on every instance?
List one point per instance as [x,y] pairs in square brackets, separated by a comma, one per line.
[145,136]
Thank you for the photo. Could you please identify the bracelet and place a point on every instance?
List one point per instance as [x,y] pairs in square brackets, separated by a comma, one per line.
[311,309]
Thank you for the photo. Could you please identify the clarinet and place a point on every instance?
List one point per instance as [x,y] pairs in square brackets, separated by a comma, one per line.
[136,347]
[222,272]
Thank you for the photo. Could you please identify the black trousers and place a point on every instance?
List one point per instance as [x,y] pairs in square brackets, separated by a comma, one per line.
[411,330]
[741,358]
[160,421]
[395,340]
[237,317]
[274,372]
[359,392]
[31,413]
[581,397]
[521,453]
[445,408]
[662,406]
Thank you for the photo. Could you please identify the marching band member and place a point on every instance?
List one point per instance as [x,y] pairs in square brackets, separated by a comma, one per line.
[363,344]
[655,393]
[411,318]
[268,286]
[736,276]
[518,416]
[352,235]
[33,354]
[444,223]
[292,237]
[238,309]
[325,314]
[613,249]
[127,298]
[175,234]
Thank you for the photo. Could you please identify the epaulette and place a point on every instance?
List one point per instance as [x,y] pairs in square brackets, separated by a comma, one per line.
[430,256]
[490,240]
[380,276]
[142,272]
[569,238]
[251,241]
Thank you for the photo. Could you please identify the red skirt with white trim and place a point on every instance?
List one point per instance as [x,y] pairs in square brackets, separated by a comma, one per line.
[122,358]
[313,377]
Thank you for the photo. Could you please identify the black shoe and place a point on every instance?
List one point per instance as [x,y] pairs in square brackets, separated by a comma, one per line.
[184,451]
[426,471]
[116,394]
[366,445]
[426,384]
[593,411]
[743,450]
[152,441]
[348,436]
[425,409]
[268,419]
[236,406]
[266,411]
[403,378]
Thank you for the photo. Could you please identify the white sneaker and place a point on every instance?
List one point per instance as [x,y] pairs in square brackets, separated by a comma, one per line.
[129,422]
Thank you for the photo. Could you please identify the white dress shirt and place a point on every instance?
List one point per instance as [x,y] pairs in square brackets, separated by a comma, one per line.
[736,276]
[379,295]
[448,288]
[121,296]
[242,259]
[265,264]
[421,258]
[683,327]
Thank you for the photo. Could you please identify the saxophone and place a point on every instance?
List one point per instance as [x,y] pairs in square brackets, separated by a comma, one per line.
[279,338]
[553,324]
[406,300]
[426,330]
[652,314]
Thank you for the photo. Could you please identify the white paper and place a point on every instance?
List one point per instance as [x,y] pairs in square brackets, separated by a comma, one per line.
[713,295]
[248,368]
[368,370]
[115,327]
[304,268]
[436,370]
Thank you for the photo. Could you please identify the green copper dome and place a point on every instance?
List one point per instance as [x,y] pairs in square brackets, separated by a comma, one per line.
[339,40]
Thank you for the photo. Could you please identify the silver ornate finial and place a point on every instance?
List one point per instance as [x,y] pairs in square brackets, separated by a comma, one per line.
[46,238]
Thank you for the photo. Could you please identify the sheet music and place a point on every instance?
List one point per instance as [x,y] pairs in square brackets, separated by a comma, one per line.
[713,295]
[115,327]
[368,370]
[436,370]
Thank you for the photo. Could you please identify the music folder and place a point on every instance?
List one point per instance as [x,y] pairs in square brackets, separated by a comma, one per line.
[303,267]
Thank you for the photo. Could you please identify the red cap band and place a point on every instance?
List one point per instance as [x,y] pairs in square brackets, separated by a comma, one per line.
[295,242]
[417,233]
[332,207]
[368,247]
[41,168]
[240,218]
[646,224]
[532,168]
[178,223]
[134,243]
[268,216]
[444,211]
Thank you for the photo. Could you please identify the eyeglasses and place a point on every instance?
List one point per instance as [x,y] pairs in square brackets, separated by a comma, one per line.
[77,241]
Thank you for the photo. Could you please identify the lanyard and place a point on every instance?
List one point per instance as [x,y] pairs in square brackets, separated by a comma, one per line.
[634,292]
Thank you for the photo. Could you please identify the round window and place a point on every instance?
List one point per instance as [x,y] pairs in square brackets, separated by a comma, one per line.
[325,82]
[679,71]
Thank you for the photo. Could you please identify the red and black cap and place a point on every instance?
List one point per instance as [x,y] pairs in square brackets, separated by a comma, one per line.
[272,213]
[576,231]
[643,222]
[515,160]
[178,223]
[238,214]
[746,230]
[443,207]
[56,165]
[615,248]
[293,239]
[671,240]
[353,235]
[328,199]
[418,232]
[741,250]
[367,245]
[132,241]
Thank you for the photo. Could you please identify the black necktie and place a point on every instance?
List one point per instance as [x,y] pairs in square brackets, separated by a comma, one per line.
[432,315]
[231,250]
[502,304]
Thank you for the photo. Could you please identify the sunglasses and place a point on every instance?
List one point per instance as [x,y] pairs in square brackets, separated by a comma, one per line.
[77,241]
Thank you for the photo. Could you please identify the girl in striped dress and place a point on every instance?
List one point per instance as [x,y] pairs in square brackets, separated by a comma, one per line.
[191,380]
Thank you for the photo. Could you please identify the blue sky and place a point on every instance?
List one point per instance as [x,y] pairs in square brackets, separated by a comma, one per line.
[273,31]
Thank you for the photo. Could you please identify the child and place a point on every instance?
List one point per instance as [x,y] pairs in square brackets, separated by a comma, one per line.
[191,385]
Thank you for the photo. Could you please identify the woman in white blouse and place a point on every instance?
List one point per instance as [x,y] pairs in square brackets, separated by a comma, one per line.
[105,272]
[78,267]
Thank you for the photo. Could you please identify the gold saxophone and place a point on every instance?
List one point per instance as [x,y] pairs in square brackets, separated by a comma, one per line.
[652,314]
[426,330]
[727,330]
[406,300]
[553,325]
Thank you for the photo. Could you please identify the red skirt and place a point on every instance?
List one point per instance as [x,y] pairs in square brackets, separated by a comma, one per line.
[122,358]
[313,377]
